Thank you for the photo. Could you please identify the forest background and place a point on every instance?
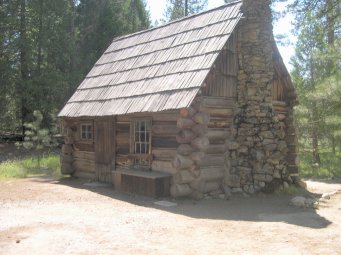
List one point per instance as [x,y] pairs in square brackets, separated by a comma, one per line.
[48,46]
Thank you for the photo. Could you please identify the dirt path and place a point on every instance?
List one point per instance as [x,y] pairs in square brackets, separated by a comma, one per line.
[43,216]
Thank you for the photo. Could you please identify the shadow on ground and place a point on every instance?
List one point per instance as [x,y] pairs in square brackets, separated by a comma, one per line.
[258,208]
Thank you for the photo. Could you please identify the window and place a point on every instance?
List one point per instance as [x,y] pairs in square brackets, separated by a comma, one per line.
[86,131]
[142,141]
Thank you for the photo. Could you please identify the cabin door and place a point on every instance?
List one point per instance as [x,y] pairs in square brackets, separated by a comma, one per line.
[104,149]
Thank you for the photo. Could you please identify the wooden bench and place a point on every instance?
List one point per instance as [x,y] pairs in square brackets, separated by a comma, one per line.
[147,183]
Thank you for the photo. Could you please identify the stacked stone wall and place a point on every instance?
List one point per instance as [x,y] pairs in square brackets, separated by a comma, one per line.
[257,150]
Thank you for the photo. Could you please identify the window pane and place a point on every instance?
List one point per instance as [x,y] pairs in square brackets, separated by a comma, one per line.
[142,137]
[143,126]
[148,125]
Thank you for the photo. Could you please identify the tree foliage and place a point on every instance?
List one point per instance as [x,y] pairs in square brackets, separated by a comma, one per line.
[47,46]
[180,8]
[316,75]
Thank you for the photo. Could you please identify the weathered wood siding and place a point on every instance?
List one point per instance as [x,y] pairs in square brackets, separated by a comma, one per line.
[104,146]
[164,143]
[222,79]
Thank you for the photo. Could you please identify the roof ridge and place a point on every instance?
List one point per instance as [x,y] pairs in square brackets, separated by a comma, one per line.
[175,21]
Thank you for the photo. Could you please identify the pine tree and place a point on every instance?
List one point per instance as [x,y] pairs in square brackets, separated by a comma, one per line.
[317,73]
[180,8]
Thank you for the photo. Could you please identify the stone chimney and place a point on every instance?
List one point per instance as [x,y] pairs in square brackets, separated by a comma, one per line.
[257,155]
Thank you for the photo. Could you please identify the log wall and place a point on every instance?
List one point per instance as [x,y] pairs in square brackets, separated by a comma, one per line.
[164,143]
[78,156]
[200,157]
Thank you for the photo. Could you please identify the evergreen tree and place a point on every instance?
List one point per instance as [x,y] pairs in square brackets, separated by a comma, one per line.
[48,46]
[316,73]
[179,8]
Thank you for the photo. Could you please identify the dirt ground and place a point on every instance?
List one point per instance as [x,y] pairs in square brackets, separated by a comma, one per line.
[46,216]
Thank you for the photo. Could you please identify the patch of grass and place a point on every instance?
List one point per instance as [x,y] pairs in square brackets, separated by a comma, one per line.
[23,168]
[291,190]
[330,166]
[12,169]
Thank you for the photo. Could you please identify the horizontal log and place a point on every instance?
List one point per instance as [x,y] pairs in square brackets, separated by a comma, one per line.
[185,136]
[87,147]
[197,184]
[197,156]
[166,116]
[122,127]
[220,122]
[216,149]
[67,149]
[83,155]
[211,173]
[69,140]
[172,115]
[84,166]
[182,162]
[199,129]
[219,112]
[211,186]
[201,118]
[163,153]
[220,133]
[212,160]
[164,130]
[67,168]
[200,143]
[164,142]
[122,138]
[122,149]
[218,102]
[195,171]
[183,177]
[185,149]
[84,175]
[185,123]
[180,190]
[164,166]
[187,112]
[64,158]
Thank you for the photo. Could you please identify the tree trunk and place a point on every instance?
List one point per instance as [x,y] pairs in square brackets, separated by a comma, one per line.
[23,65]
[40,36]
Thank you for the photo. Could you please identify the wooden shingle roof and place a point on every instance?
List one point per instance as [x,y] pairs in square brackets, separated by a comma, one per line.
[157,69]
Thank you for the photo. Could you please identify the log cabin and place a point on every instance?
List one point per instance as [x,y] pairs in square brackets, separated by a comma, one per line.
[201,105]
